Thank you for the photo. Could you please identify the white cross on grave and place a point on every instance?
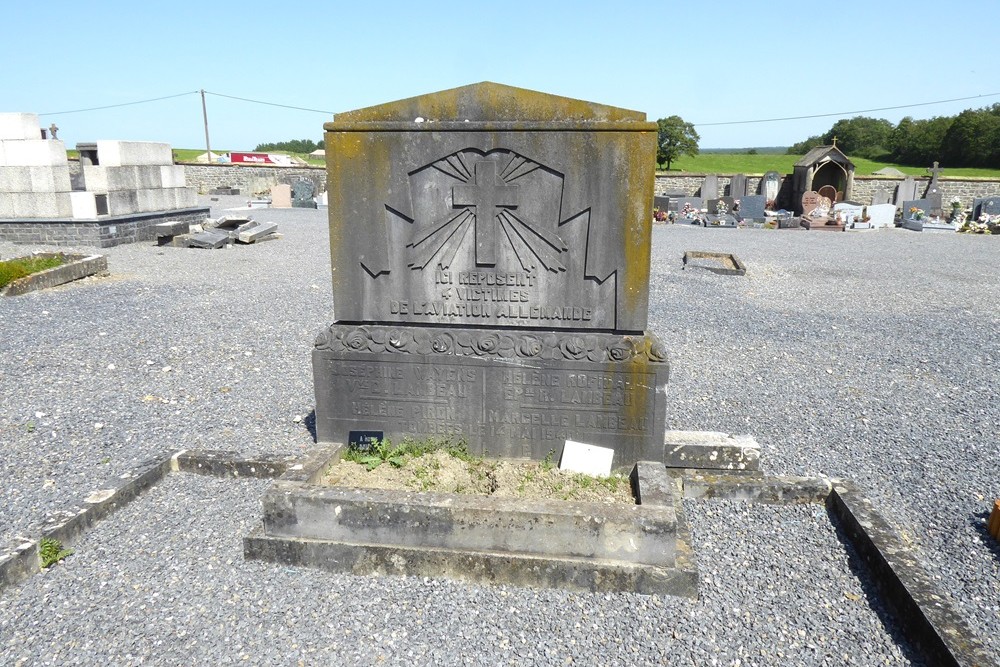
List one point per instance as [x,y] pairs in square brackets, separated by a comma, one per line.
[485,197]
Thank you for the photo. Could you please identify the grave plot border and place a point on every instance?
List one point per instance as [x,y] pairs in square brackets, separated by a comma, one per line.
[927,619]
[643,548]
[76,266]
[724,258]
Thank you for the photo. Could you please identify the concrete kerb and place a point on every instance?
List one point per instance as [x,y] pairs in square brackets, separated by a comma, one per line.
[76,267]
[20,559]
[926,617]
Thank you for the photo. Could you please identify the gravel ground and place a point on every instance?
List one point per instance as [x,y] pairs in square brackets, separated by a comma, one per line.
[871,356]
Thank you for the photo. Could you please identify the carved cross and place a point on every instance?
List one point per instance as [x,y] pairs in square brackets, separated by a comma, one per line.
[934,172]
[485,196]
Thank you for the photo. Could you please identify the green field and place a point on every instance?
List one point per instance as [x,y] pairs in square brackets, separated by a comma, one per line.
[736,163]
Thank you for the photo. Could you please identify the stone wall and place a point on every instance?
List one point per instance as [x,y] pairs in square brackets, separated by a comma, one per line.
[864,186]
[250,179]
[104,233]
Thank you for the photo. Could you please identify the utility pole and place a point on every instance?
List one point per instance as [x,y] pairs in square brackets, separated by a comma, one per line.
[204,115]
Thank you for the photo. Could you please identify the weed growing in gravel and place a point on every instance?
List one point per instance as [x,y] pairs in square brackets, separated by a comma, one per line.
[12,269]
[383,451]
[51,552]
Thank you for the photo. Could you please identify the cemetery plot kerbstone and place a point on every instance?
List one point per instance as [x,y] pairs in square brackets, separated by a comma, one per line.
[490,250]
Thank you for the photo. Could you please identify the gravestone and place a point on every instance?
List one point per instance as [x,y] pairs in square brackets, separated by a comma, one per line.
[709,187]
[738,186]
[851,215]
[303,192]
[915,213]
[770,184]
[829,192]
[810,200]
[490,269]
[881,196]
[882,215]
[689,210]
[933,192]
[281,196]
[752,207]
[906,191]
[985,205]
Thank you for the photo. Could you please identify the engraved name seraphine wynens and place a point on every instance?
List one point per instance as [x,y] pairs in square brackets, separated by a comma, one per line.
[559,346]
[487,199]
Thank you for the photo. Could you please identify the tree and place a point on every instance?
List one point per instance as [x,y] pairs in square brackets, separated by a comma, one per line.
[919,142]
[973,140]
[294,146]
[675,138]
[804,147]
[861,135]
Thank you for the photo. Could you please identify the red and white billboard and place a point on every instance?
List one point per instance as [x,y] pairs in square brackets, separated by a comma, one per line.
[253,158]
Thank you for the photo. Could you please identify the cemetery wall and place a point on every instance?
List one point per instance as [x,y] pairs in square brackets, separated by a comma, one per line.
[864,186]
[249,179]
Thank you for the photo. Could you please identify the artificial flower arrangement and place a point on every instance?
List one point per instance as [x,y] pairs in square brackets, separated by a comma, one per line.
[916,213]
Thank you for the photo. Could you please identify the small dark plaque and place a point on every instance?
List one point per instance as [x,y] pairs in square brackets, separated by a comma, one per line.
[363,441]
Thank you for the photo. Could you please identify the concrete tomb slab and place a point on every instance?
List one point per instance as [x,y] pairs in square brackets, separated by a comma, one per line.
[210,239]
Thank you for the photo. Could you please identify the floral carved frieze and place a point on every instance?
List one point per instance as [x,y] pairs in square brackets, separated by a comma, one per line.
[490,344]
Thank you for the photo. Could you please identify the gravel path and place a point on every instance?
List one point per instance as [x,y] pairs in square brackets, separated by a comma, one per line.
[872,356]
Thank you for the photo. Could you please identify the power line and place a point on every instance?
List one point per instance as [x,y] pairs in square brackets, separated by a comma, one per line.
[272,104]
[844,113]
[123,104]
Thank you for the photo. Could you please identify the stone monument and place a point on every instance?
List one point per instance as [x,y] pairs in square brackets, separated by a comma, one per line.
[490,252]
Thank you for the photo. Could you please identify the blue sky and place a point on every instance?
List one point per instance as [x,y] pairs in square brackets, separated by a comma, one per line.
[708,62]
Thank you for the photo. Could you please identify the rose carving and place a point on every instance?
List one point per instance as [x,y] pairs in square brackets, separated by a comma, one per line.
[529,346]
[655,350]
[487,344]
[442,343]
[622,349]
[357,340]
[573,347]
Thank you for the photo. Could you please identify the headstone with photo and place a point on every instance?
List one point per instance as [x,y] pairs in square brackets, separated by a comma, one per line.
[492,282]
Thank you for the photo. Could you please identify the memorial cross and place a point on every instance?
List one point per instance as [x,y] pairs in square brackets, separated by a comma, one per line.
[485,197]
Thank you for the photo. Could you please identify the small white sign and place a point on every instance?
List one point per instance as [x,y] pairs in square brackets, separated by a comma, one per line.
[587,459]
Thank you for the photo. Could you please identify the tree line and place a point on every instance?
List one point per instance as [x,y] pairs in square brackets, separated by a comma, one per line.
[293,146]
[970,139]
